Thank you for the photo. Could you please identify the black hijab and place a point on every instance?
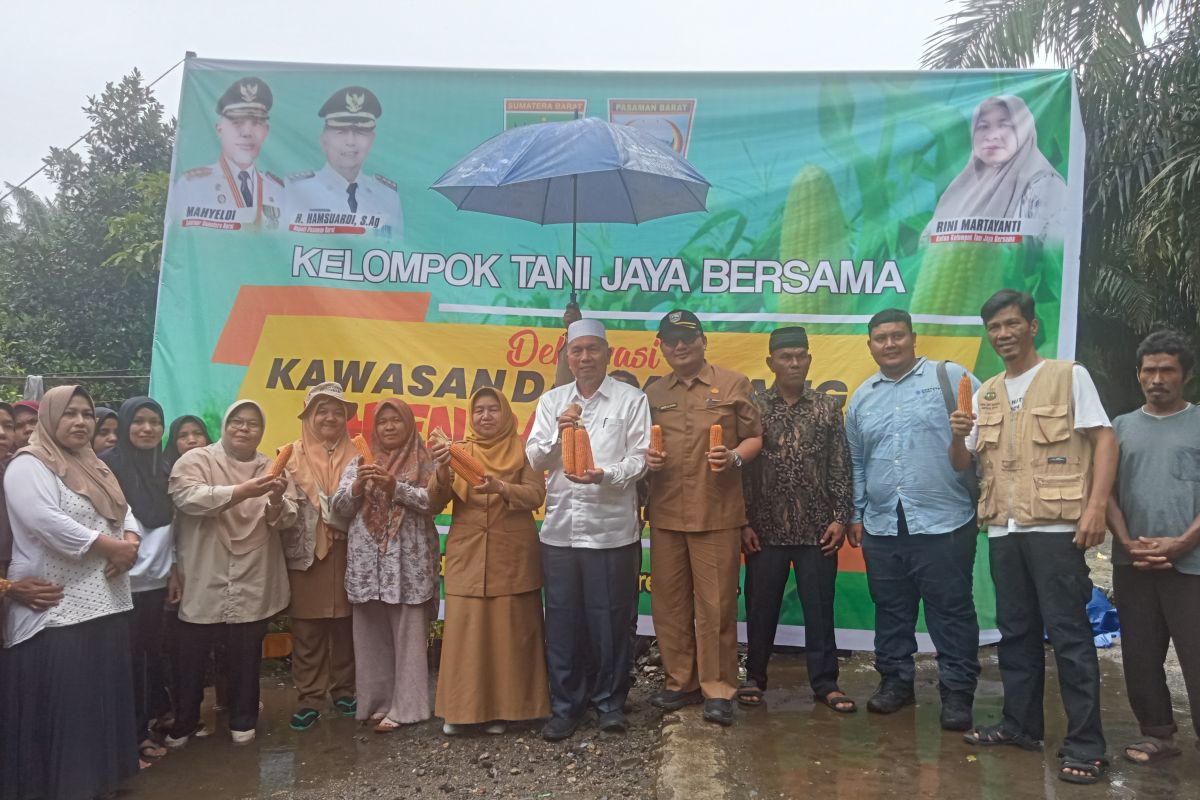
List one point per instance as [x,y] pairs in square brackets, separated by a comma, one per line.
[140,472]
[171,452]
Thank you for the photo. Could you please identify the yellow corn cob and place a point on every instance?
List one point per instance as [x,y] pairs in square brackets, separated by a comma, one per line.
[964,394]
[957,277]
[656,439]
[465,465]
[364,450]
[813,230]
[583,451]
[715,437]
[280,461]
[569,457]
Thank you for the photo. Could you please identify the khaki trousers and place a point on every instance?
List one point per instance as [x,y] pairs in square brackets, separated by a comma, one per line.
[694,587]
[322,660]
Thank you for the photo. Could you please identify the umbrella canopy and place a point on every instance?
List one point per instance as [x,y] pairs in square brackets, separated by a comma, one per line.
[584,170]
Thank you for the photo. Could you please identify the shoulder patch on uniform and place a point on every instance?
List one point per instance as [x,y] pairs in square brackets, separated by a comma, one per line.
[272,176]
[198,172]
[300,176]
[385,181]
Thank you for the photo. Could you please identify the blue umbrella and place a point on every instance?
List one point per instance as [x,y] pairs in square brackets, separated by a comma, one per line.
[584,170]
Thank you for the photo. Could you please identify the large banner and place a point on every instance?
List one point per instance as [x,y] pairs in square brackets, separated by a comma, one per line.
[303,243]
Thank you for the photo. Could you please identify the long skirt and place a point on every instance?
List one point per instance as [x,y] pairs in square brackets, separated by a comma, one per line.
[67,697]
[493,663]
[391,667]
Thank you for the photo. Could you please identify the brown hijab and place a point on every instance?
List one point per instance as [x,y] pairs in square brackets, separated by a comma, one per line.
[317,468]
[502,455]
[409,463]
[80,470]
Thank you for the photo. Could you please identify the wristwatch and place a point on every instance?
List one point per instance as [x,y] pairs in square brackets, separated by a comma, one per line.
[737,460]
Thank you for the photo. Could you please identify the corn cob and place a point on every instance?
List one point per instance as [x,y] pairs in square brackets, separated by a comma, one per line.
[583,451]
[957,277]
[715,437]
[569,457]
[364,450]
[463,463]
[656,439]
[814,229]
[964,394]
[280,461]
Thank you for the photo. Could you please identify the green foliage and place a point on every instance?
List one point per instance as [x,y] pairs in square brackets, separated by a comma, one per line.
[1138,69]
[79,273]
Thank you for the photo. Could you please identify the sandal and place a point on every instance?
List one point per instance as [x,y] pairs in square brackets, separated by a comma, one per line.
[1092,770]
[347,705]
[1154,750]
[993,735]
[838,701]
[748,694]
[149,750]
[304,719]
[386,725]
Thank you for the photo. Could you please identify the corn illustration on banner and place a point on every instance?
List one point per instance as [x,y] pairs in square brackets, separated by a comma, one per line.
[302,243]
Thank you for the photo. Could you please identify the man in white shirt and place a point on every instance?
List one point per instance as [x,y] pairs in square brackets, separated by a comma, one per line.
[591,544]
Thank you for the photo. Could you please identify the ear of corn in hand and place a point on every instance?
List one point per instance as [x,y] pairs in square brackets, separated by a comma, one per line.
[656,438]
[583,451]
[569,456]
[280,461]
[715,437]
[360,444]
[964,394]
[462,462]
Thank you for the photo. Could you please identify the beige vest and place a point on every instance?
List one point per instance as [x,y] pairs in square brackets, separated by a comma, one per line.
[1035,468]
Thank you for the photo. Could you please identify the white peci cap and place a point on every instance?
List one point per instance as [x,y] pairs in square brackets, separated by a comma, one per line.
[586,327]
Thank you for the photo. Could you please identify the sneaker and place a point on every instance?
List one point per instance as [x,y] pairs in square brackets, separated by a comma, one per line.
[202,732]
[495,728]
[956,710]
[452,730]
[559,728]
[612,722]
[673,701]
[175,744]
[890,697]
[243,737]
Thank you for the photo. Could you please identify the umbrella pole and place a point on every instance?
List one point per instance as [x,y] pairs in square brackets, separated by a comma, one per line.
[574,241]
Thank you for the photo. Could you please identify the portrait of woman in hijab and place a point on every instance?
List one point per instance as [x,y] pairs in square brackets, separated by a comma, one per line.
[1006,177]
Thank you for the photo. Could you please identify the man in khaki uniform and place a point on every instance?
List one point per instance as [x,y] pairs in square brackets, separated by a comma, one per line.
[696,512]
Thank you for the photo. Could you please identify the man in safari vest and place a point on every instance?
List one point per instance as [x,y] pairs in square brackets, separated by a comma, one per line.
[1047,459]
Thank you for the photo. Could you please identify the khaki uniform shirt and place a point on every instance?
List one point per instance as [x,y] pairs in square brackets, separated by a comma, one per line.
[686,495]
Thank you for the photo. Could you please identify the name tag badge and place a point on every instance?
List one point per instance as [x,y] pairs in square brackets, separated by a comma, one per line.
[713,401]
[1057,460]
[668,407]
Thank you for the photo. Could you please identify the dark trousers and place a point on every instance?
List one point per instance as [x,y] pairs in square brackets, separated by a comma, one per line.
[243,654]
[589,596]
[766,579]
[938,569]
[149,676]
[1158,607]
[1042,584]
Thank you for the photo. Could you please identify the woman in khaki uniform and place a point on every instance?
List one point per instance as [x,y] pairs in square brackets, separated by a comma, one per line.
[493,668]
[322,630]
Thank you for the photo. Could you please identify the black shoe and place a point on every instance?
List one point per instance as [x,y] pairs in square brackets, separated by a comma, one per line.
[719,711]
[559,728]
[956,710]
[890,697]
[673,701]
[612,722]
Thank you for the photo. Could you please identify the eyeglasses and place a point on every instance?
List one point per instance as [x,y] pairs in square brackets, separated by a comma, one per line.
[245,425]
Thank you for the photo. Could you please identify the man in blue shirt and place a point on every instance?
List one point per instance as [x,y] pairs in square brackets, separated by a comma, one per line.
[919,521]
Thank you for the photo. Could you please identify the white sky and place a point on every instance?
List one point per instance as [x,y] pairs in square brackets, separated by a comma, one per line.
[57,52]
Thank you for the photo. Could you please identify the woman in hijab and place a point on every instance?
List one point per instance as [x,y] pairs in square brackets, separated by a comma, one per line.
[1007,176]
[322,631]
[187,433]
[105,436]
[230,566]
[68,684]
[137,461]
[493,669]
[392,569]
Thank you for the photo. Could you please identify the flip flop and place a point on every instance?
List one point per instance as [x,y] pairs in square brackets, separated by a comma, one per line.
[838,702]
[304,719]
[748,694]
[1092,771]
[386,725]
[347,705]
[1155,750]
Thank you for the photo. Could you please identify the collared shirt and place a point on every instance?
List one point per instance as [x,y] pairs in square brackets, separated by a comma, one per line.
[316,200]
[801,481]
[599,516]
[899,433]
[686,495]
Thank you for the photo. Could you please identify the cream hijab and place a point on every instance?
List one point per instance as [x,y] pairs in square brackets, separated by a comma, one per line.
[80,470]
[984,191]
[317,469]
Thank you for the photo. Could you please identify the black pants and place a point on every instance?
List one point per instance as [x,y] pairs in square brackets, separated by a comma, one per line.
[1158,607]
[1042,583]
[938,569]
[243,655]
[149,676]
[589,596]
[766,579]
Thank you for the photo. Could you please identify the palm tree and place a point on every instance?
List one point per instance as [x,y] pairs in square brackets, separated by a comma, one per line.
[1137,63]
